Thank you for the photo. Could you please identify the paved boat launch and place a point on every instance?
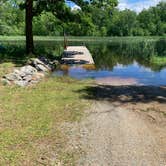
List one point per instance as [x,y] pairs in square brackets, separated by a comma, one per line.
[77,55]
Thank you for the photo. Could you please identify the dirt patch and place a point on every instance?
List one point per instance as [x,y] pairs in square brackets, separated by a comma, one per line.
[126,125]
[116,81]
[112,135]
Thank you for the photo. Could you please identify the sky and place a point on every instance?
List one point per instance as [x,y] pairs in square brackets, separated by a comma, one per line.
[137,5]
[72,4]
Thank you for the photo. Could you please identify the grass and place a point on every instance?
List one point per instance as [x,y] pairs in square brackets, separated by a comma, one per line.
[158,60]
[5,68]
[31,120]
[83,38]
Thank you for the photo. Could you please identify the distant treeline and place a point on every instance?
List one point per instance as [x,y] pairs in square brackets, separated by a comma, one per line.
[95,23]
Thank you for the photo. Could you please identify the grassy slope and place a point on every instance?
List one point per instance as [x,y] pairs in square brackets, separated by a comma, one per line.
[31,117]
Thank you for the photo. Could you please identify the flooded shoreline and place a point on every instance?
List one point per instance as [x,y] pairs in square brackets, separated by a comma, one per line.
[133,74]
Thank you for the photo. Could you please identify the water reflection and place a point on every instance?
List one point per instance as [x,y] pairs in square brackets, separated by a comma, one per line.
[133,74]
[122,63]
[109,55]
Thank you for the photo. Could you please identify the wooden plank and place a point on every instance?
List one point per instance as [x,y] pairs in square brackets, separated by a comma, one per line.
[77,55]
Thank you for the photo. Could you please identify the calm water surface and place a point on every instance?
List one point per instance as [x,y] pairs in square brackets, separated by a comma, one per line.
[122,64]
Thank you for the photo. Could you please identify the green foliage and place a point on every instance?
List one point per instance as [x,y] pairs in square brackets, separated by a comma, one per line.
[123,23]
[48,25]
[148,22]
[11,19]
[156,60]
[94,19]
[153,20]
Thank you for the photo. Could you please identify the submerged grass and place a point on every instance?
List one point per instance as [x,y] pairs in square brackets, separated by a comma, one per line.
[158,60]
[31,120]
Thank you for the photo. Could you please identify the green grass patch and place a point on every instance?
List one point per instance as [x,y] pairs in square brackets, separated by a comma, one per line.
[83,38]
[5,68]
[158,60]
[31,120]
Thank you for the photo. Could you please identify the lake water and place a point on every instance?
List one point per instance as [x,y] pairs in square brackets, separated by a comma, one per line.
[122,63]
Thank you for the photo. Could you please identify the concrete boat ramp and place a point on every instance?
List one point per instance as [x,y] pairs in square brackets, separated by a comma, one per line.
[77,55]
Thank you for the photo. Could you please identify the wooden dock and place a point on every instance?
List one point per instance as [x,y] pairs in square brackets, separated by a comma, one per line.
[77,55]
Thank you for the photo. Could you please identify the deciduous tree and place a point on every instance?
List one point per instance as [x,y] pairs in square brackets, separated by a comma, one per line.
[61,11]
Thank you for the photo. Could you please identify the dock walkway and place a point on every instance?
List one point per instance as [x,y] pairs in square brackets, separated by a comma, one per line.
[77,55]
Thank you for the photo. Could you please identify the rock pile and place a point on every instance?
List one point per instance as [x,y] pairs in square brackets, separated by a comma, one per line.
[30,74]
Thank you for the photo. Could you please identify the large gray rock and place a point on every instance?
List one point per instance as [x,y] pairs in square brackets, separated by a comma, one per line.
[20,77]
[38,76]
[28,70]
[42,68]
[27,78]
[21,83]
[5,81]
[54,64]
[20,73]
[40,65]
[12,77]
[31,73]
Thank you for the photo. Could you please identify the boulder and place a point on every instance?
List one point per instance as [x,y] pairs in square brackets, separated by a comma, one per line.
[12,77]
[54,64]
[38,76]
[42,68]
[31,73]
[27,78]
[5,81]
[44,60]
[40,65]
[28,70]
[21,83]
[20,73]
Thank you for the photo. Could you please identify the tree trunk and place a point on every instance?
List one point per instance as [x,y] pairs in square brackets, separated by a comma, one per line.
[29,33]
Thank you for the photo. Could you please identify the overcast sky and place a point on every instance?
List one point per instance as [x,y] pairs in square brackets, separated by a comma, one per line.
[137,5]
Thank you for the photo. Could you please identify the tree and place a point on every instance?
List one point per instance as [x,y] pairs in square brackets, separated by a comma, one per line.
[94,19]
[28,20]
[61,11]
[11,18]
[123,23]
[153,20]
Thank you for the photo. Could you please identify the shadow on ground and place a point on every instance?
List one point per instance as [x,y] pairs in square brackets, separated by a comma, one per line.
[16,53]
[125,94]
[13,53]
